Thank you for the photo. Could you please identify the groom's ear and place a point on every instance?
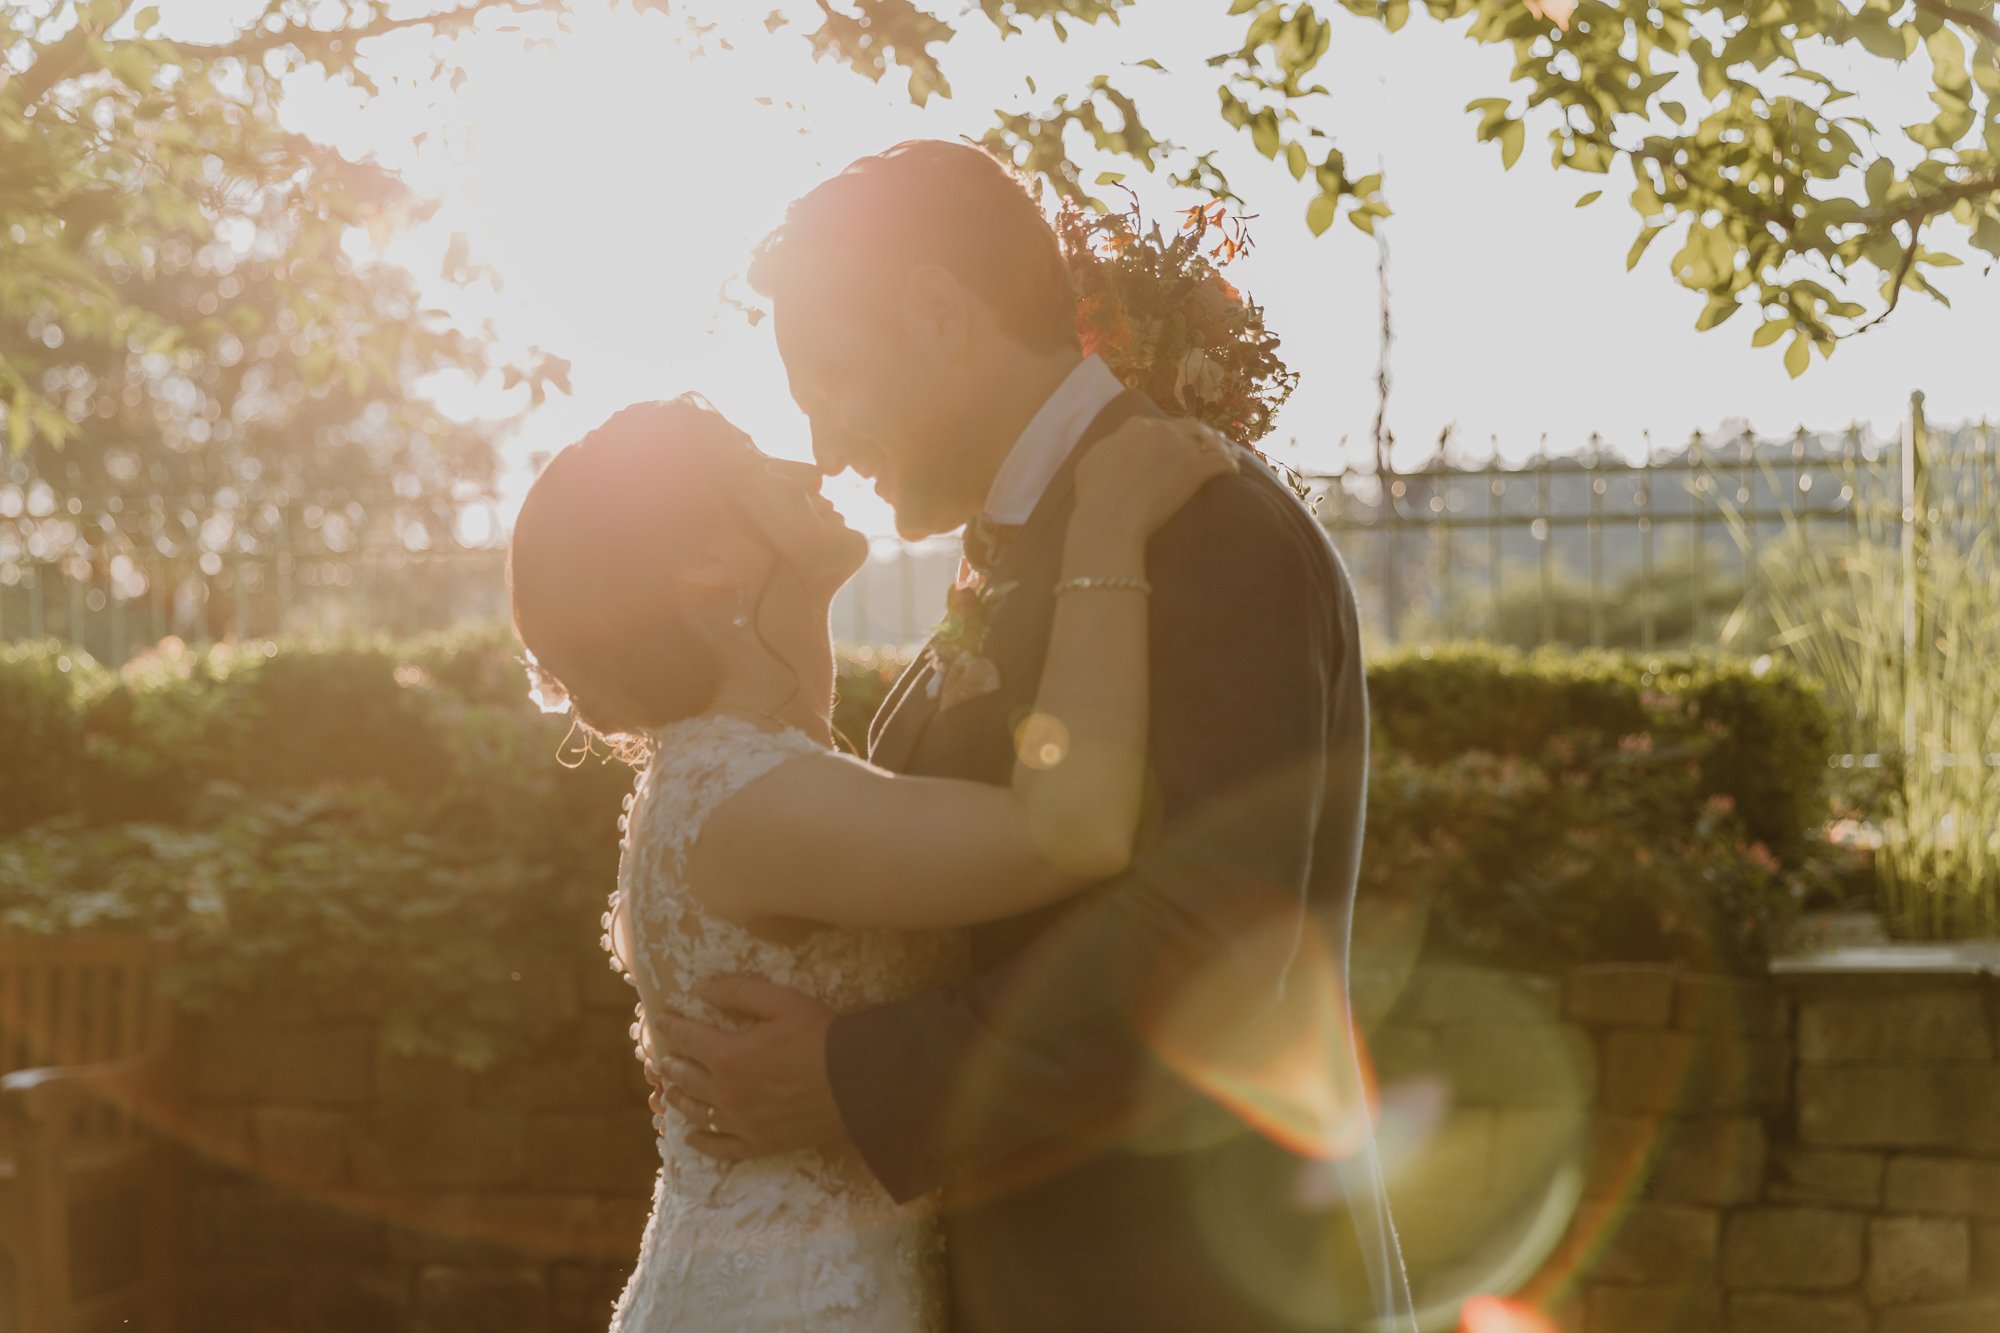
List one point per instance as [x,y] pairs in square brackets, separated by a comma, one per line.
[937,308]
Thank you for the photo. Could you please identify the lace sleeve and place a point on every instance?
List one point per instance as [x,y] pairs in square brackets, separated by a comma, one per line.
[697,765]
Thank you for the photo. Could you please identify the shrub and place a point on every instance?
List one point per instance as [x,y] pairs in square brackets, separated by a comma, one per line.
[390,820]
[325,822]
[44,687]
[1761,734]
[266,716]
[1551,858]
[1553,808]
[344,900]
[167,724]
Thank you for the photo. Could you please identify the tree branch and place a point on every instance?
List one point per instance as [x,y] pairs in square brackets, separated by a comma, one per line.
[1939,201]
[1903,268]
[1983,24]
[256,42]
[60,59]
[1915,214]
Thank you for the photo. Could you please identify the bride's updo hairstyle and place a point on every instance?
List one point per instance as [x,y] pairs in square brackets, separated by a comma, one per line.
[591,569]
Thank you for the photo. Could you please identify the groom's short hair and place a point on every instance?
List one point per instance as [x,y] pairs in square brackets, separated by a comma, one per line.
[928,201]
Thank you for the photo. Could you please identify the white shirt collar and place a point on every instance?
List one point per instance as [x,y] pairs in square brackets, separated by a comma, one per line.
[1051,436]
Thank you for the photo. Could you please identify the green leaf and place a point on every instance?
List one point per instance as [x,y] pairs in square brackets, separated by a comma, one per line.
[1986,69]
[1244,6]
[1717,311]
[1512,139]
[1770,331]
[1110,178]
[143,21]
[1881,175]
[1492,113]
[1986,234]
[1878,38]
[1362,219]
[1647,236]
[56,427]
[1319,213]
[1714,76]
[1947,54]
[1264,27]
[1798,356]
[1264,132]
[1590,198]
[1296,160]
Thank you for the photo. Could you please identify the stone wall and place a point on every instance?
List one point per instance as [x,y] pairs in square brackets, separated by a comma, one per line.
[1815,1154]
[1637,1149]
[335,1187]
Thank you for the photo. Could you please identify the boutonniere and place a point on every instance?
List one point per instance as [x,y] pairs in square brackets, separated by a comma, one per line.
[960,669]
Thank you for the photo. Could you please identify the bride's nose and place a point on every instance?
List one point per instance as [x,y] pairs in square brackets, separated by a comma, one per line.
[806,474]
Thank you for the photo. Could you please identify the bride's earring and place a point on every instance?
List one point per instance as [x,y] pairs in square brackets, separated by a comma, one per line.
[741,620]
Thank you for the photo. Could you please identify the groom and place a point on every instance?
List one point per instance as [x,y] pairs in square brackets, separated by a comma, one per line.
[1136,1113]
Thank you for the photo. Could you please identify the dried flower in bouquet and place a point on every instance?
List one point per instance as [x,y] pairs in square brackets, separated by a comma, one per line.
[1166,321]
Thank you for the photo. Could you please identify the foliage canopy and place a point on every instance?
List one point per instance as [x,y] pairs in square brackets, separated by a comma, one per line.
[178,266]
[1734,122]
[165,237]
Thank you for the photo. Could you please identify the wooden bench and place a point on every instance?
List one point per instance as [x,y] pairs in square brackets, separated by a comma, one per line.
[84,1057]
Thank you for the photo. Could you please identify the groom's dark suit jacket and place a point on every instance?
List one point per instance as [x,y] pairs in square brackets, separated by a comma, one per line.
[1015,1092]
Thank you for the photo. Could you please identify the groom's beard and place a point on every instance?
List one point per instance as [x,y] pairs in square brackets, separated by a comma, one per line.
[922,515]
[939,479]
[941,499]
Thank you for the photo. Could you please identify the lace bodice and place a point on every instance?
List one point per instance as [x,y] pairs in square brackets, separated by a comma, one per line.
[806,1240]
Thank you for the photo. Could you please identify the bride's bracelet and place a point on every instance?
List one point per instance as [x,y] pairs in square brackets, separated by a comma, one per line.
[1119,584]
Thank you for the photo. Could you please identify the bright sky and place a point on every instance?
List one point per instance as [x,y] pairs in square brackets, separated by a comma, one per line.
[617,185]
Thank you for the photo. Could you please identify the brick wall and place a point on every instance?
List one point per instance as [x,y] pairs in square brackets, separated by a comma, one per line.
[1643,1149]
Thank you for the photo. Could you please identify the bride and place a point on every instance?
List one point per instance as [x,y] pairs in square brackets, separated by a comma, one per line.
[672,584]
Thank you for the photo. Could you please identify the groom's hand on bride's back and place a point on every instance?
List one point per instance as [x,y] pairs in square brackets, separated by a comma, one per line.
[758,1089]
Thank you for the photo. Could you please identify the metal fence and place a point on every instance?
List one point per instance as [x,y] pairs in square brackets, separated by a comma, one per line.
[1586,549]
[1600,550]
[120,574]
[116,576]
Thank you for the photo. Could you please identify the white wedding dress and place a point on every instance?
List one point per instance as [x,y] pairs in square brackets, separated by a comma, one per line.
[803,1241]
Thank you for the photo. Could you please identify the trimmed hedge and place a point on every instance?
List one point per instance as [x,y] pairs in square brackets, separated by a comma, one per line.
[43,689]
[1762,733]
[389,820]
